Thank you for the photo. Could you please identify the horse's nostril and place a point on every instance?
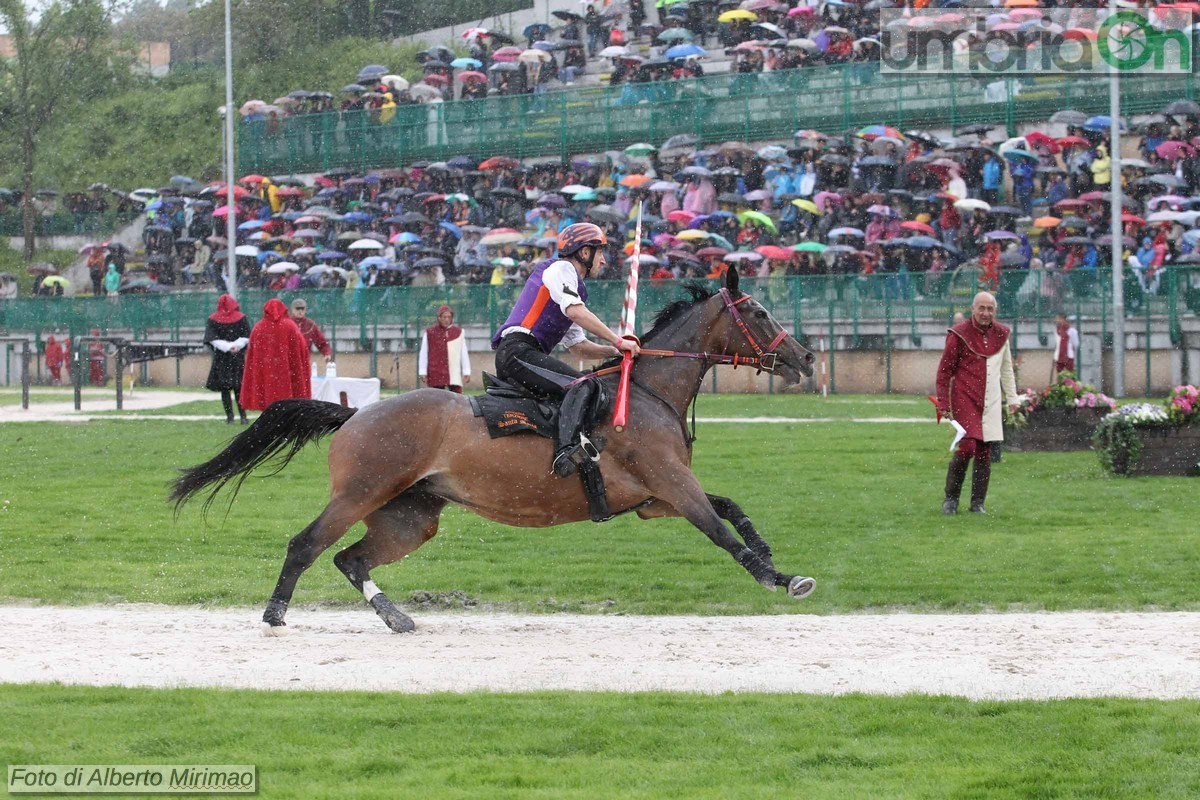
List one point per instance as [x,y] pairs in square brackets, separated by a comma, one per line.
[809,358]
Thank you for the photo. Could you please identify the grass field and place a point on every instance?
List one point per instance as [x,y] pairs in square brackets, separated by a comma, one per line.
[83,520]
[855,505]
[560,745]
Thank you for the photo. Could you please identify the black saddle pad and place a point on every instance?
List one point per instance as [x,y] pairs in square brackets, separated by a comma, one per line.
[506,415]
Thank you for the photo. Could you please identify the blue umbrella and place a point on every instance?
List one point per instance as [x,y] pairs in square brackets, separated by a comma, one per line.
[331,255]
[251,225]
[450,226]
[685,51]
[920,241]
[358,216]
[537,28]
[1017,152]
[466,63]
[372,72]
[408,238]
[1100,123]
[549,47]
[155,206]
[373,261]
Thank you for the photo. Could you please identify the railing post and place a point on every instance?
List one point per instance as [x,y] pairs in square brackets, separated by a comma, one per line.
[1146,305]
[832,351]
[887,339]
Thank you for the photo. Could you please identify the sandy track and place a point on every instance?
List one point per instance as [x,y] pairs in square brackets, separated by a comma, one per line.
[1006,656]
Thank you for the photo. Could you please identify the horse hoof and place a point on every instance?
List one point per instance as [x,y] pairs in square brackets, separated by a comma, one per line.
[801,588]
[274,630]
[392,616]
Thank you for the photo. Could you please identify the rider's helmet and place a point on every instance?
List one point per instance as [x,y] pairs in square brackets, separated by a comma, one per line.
[581,234]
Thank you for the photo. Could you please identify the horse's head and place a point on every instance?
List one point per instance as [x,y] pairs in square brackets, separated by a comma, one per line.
[745,329]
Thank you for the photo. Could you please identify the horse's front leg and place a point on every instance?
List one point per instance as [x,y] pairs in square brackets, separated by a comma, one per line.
[693,504]
[731,512]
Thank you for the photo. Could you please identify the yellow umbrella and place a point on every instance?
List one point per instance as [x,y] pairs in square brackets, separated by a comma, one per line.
[691,235]
[736,14]
[806,205]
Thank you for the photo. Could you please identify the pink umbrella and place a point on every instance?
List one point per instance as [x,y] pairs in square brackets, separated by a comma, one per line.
[1172,149]
[221,211]
[472,77]
[507,54]
[913,225]
[801,11]
[681,216]
[775,253]
[824,198]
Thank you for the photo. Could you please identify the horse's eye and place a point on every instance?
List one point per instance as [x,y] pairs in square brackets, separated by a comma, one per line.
[761,313]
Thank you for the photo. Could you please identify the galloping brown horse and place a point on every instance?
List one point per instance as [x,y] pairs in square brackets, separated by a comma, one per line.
[396,464]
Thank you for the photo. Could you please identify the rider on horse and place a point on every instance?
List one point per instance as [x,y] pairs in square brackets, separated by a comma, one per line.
[549,312]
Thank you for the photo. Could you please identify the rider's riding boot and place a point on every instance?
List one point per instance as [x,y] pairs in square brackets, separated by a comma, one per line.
[955,476]
[979,484]
[572,446]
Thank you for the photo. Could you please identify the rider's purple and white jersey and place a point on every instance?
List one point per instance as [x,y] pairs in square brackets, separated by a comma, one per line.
[553,287]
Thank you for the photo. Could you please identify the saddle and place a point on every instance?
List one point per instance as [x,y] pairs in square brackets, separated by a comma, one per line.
[508,409]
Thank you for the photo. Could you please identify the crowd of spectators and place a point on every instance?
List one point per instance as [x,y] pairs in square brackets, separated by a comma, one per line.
[902,204]
[633,48]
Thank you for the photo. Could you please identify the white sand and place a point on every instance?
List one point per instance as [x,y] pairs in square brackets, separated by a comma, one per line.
[1003,656]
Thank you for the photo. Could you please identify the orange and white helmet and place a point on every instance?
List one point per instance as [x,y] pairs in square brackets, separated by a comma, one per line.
[581,234]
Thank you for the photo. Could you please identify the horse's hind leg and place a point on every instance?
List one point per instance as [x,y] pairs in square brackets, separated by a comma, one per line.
[303,550]
[394,531]
[731,512]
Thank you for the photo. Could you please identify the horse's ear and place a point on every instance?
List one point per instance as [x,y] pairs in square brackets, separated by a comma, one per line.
[731,282]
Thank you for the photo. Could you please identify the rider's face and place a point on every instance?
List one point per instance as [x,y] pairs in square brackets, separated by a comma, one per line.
[599,262]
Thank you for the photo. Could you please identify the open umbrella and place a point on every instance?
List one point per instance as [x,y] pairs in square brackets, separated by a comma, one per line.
[685,51]
[640,149]
[839,232]
[1172,150]
[56,280]
[758,217]
[675,35]
[466,63]
[809,247]
[501,236]
[738,14]
[913,225]
[471,77]
[366,244]
[636,180]
[806,205]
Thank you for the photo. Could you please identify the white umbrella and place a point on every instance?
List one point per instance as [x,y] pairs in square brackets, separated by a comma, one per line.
[534,57]
[281,267]
[614,51]
[366,244]
[245,250]
[575,188]
[397,82]
[643,259]
[971,204]
[319,269]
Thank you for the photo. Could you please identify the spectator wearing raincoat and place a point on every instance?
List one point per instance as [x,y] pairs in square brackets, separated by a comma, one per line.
[1101,168]
[701,196]
[112,280]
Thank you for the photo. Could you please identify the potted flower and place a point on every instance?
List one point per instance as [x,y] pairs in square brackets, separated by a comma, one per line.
[1061,417]
[1152,439]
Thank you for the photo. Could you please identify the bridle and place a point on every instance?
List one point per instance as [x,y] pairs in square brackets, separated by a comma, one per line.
[764,360]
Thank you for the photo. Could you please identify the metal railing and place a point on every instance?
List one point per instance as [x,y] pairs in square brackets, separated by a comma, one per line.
[745,107]
[904,301]
[880,313]
[66,223]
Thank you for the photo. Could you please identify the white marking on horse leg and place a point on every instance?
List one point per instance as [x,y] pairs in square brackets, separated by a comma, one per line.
[370,590]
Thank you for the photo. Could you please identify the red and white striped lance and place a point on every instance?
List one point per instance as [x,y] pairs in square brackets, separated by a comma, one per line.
[629,311]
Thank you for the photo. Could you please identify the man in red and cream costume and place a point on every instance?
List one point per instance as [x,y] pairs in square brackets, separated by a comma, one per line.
[976,367]
[443,362]
[1066,345]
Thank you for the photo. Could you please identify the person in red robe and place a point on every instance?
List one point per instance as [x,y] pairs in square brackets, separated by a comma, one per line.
[277,366]
[443,362]
[55,358]
[97,360]
[1066,345]
[976,368]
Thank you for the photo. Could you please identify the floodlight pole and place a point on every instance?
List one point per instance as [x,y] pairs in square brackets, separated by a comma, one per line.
[1118,244]
[230,200]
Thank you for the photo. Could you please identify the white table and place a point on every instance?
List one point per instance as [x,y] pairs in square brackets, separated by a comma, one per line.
[350,392]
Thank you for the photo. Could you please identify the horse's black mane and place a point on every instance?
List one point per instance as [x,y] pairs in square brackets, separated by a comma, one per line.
[697,293]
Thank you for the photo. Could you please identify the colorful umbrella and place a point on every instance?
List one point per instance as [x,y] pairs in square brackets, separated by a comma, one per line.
[875,131]
[736,14]
[758,217]
[809,247]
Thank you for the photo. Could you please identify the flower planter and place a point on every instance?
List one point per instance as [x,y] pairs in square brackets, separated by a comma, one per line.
[1167,451]
[1055,430]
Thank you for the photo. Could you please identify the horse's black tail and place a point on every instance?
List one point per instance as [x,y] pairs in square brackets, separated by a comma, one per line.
[285,427]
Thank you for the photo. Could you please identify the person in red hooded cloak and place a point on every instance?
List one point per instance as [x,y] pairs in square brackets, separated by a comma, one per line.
[55,358]
[227,333]
[277,366]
